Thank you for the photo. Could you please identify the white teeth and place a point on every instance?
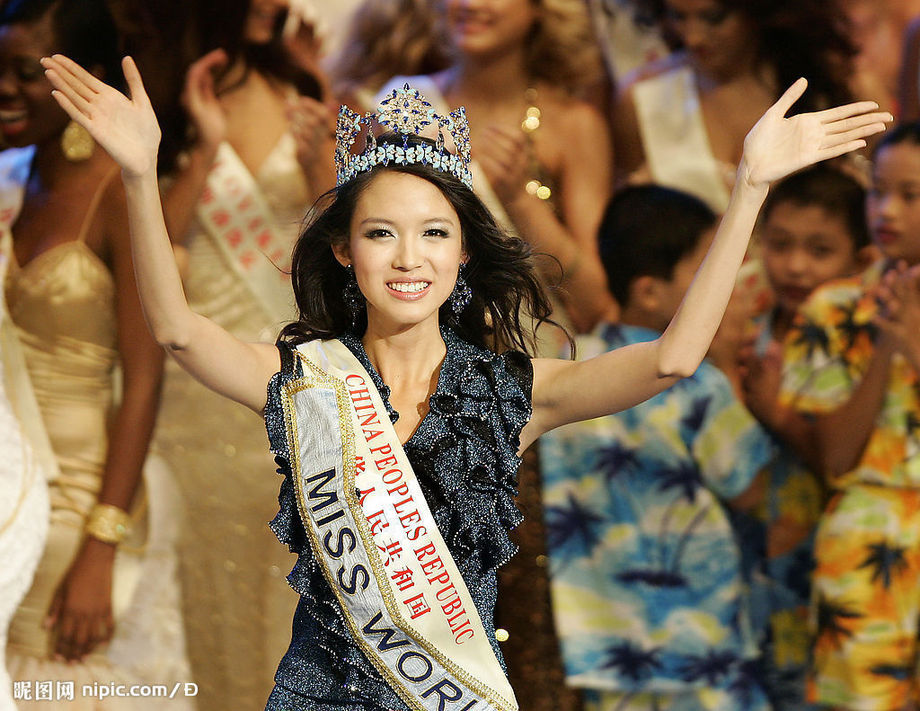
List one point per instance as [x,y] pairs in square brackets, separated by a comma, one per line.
[408,287]
[10,116]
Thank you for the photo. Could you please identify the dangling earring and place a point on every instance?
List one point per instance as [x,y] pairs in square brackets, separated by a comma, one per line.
[354,299]
[461,296]
[76,143]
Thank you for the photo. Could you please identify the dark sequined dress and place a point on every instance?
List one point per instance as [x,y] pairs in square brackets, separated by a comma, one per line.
[464,454]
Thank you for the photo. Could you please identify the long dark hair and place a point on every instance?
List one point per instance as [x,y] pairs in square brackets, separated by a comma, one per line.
[508,299]
[795,38]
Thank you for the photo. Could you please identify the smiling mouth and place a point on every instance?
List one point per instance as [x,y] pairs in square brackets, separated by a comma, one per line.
[409,287]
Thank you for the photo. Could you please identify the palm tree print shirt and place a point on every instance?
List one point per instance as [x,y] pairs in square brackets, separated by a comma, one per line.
[646,573]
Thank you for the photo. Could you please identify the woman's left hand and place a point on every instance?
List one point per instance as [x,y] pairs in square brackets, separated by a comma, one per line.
[81,611]
[778,146]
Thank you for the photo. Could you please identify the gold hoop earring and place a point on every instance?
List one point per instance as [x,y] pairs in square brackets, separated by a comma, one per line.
[76,143]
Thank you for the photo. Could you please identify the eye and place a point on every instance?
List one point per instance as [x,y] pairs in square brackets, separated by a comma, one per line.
[715,17]
[436,232]
[27,68]
[378,233]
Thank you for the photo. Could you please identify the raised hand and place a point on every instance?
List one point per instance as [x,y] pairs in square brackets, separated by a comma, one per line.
[125,127]
[199,98]
[504,156]
[778,146]
[311,126]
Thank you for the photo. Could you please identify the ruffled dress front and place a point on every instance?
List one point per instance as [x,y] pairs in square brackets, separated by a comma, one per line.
[464,454]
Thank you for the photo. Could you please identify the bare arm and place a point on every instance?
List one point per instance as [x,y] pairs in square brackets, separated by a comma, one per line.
[566,392]
[81,609]
[128,130]
[627,139]
[585,187]
[584,190]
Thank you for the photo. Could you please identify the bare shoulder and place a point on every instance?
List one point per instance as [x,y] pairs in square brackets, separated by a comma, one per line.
[576,119]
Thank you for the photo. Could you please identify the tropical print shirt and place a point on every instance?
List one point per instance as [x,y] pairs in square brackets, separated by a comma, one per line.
[645,571]
[828,353]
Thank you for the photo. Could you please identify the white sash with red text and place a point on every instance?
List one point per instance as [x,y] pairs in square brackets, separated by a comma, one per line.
[237,218]
[371,530]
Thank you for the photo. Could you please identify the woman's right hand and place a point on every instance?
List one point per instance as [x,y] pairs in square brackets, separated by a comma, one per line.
[125,127]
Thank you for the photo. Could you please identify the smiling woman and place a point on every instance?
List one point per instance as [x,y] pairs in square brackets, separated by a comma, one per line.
[400,530]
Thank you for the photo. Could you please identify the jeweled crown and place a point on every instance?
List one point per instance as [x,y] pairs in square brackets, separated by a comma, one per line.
[405,112]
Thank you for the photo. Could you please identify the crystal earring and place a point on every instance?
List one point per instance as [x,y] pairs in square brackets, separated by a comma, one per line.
[76,143]
[461,296]
[354,299]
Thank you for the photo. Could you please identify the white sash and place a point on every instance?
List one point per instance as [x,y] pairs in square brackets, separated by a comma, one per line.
[674,138]
[14,174]
[402,596]
[236,216]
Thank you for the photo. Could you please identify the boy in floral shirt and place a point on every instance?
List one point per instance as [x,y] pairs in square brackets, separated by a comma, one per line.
[646,581]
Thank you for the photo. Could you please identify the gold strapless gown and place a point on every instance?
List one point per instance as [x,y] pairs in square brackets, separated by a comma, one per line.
[63,305]
[237,605]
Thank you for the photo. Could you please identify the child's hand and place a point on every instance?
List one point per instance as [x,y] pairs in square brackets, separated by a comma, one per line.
[125,127]
[761,378]
[899,316]
[778,146]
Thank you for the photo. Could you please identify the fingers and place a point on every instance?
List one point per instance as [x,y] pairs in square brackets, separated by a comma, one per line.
[63,86]
[70,109]
[68,67]
[853,135]
[215,59]
[839,150]
[135,83]
[791,95]
[853,122]
[840,112]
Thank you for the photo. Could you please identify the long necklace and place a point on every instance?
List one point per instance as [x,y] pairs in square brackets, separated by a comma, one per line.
[530,125]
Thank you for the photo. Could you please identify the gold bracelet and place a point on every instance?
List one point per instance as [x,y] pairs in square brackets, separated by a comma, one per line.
[107,523]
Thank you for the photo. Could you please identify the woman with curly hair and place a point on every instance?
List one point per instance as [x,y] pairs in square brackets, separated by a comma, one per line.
[681,122]
[543,162]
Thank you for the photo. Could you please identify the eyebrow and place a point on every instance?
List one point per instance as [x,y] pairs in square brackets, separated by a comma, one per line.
[384,221]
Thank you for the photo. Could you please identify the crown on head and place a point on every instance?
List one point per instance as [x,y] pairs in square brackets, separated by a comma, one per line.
[406,112]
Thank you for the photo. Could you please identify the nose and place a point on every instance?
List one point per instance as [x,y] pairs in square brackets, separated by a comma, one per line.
[886,204]
[408,254]
[8,84]
[693,33]
[797,262]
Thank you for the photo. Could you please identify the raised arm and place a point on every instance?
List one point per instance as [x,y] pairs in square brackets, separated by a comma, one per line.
[127,129]
[566,392]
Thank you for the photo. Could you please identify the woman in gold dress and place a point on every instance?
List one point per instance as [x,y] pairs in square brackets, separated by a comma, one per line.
[72,297]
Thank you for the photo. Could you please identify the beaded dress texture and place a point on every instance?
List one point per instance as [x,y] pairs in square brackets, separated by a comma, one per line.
[464,453]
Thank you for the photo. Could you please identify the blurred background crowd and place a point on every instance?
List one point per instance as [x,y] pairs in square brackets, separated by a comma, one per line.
[749,539]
